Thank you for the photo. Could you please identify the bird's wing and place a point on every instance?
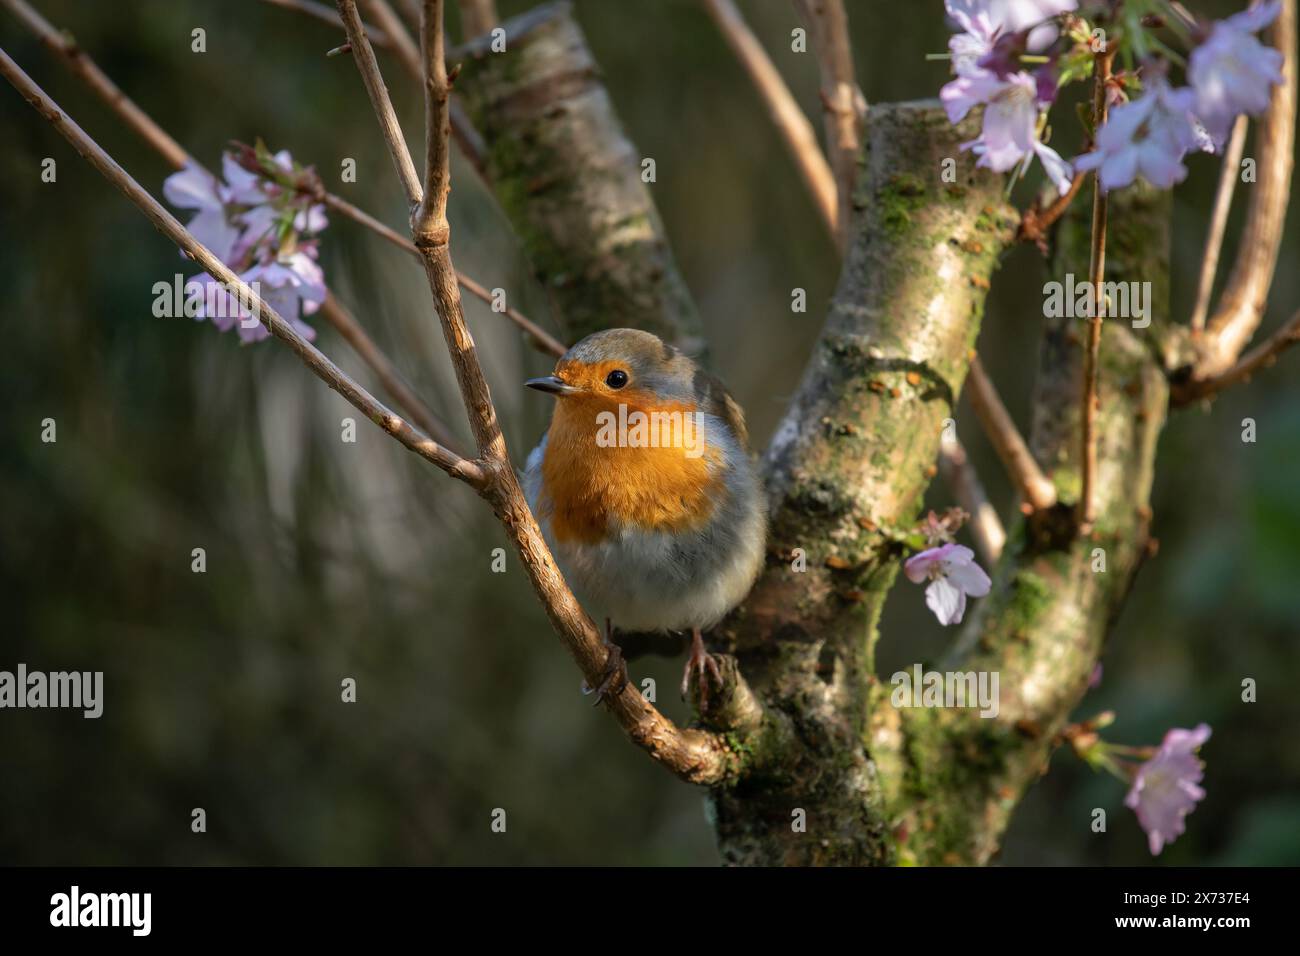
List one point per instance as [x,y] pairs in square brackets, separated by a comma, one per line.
[716,400]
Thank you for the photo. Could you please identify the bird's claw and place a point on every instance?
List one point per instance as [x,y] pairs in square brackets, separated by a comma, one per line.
[703,665]
[613,678]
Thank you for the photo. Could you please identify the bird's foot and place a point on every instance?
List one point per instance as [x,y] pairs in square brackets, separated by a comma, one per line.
[703,665]
[614,677]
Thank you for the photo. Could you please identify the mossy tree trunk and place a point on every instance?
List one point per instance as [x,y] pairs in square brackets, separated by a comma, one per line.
[953,778]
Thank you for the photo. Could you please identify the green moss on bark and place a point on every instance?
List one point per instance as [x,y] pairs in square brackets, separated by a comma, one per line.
[1043,626]
[847,469]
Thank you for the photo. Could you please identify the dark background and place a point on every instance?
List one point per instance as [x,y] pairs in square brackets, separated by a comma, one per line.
[328,560]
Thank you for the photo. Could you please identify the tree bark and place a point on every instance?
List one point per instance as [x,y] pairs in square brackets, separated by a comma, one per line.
[846,474]
[953,778]
[570,181]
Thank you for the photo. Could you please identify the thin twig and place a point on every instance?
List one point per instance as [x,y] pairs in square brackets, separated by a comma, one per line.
[1039,493]
[467,138]
[327,14]
[1096,273]
[1228,176]
[337,314]
[1261,356]
[691,754]
[537,336]
[842,99]
[408,53]
[470,472]
[1035,222]
[985,526]
[794,127]
[389,127]
[392,133]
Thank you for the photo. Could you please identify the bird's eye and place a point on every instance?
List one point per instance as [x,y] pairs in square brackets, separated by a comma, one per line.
[616,378]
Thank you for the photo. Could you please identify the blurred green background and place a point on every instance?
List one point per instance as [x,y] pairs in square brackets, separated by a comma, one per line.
[328,560]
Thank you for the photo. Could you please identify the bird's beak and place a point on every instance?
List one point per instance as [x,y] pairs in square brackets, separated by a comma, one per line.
[552,384]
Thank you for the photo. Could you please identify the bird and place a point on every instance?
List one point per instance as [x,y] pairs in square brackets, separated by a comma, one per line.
[646,494]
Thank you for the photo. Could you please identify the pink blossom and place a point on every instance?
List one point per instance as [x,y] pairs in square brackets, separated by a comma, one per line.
[953,574]
[258,227]
[310,219]
[1007,16]
[247,188]
[1232,72]
[264,237]
[977,40]
[1146,137]
[214,302]
[1009,138]
[193,188]
[1167,787]
[293,286]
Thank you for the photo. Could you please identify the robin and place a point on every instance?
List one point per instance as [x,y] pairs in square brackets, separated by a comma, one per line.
[646,493]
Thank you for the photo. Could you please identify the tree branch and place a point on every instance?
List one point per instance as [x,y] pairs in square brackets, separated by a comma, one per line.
[337,314]
[1229,173]
[408,53]
[985,526]
[846,107]
[399,39]
[537,336]
[1096,273]
[848,469]
[468,471]
[1261,356]
[67,52]
[1035,222]
[1037,490]
[81,65]
[1241,306]
[788,118]
[373,81]
[953,777]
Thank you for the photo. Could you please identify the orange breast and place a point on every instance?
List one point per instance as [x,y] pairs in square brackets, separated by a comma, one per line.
[590,486]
